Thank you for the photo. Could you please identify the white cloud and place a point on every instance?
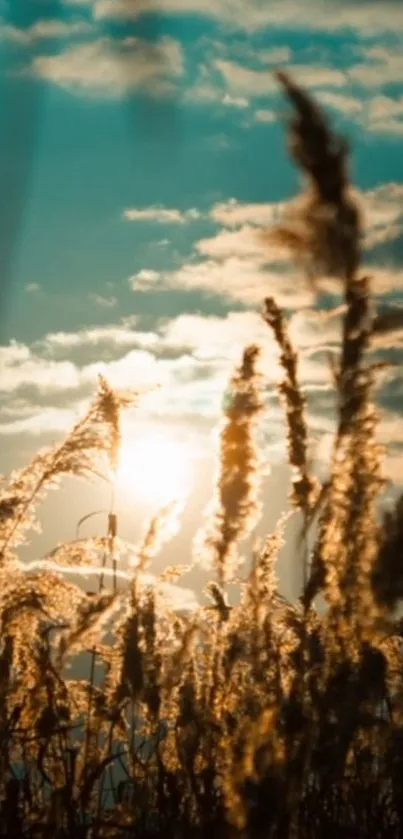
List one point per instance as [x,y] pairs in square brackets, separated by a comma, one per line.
[383,280]
[42,30]
[240,279]
[275,55]
[233,213]
[161,215]
[101,300]
[383,213]
[349,105]
[244,81]
[379,114]
[235,101]
[384,115]
[265,115]
[113,336]
[247,82]
[321,15]
[381,208]
[243,242]
[32,288]
[392,468]
[317,76]
[113,67]
[246,242]
[144,279]
[40,421]
[381,66]
[222,339]
[212,337]
[237,260]
[138,368]
[20,367]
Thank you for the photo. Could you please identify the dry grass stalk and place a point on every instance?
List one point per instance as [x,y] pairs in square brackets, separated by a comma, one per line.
[239,721]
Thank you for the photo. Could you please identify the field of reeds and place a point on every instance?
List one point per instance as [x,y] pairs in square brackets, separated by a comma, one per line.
[255,718]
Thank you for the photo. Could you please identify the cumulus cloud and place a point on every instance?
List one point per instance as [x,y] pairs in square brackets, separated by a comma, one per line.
[114,67]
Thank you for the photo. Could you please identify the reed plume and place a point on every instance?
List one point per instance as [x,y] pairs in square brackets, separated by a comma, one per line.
[250,717]
[235,508]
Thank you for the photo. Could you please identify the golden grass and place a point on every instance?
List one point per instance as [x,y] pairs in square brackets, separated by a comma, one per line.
[261,719]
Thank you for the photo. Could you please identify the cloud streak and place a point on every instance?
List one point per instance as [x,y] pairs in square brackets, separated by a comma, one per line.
[160,215]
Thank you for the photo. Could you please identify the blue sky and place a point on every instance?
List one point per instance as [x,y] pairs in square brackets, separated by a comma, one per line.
[142,151]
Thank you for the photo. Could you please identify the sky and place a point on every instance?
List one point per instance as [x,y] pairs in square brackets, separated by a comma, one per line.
[142,152]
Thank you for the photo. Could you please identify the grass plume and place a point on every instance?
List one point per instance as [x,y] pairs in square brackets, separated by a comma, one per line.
[250,717]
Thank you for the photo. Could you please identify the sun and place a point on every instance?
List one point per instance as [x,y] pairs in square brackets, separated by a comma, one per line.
[155,468]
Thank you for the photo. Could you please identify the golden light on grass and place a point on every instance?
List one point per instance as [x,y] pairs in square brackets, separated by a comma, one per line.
[156,468]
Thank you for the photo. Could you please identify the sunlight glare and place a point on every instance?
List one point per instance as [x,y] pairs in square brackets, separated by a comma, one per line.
[156,468]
